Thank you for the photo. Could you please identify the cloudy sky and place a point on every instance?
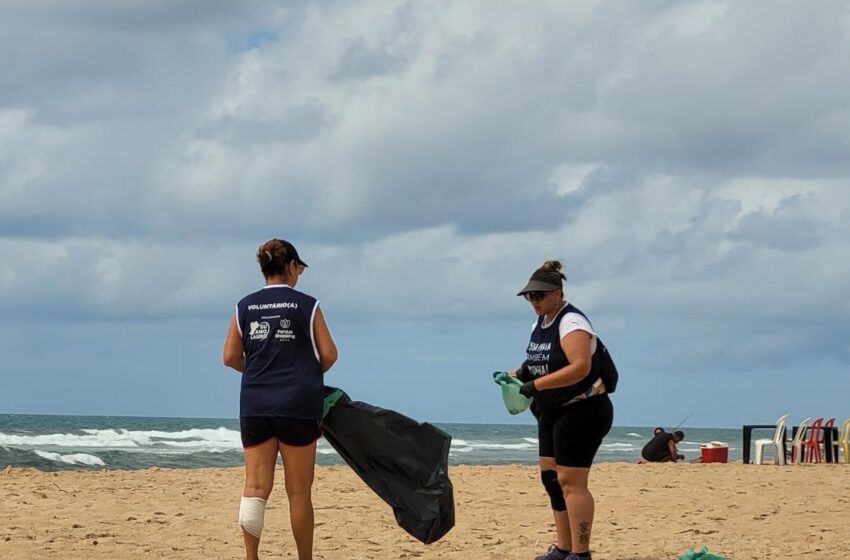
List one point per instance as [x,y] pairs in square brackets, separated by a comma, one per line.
[688,161]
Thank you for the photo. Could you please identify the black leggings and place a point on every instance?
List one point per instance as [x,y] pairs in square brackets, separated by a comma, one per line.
[573,436]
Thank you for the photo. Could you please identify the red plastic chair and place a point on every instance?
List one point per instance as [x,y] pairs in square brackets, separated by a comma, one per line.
[811,446]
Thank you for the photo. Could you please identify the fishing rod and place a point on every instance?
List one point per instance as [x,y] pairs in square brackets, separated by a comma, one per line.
[683,421]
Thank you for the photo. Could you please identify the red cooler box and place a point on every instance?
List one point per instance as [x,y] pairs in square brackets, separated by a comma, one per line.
[715,452]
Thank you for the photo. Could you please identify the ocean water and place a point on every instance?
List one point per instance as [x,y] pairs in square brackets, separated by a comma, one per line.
[52,443]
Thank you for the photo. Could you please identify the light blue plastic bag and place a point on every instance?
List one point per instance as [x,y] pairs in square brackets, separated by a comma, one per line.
[514,401]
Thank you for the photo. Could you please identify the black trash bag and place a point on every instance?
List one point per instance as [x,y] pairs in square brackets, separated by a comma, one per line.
[403,461]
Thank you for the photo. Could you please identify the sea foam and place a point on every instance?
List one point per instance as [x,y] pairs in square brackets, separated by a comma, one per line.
[213,440]
[72,458]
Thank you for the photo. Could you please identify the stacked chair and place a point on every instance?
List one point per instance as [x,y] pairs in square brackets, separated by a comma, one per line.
[797,442]
[808,444]
[811,445]
[842,443]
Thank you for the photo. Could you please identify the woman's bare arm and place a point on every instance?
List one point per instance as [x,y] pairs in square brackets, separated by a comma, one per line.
[576,345]
[234,352]
[328,353]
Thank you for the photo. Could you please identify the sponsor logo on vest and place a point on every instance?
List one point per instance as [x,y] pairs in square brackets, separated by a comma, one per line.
[284,333]
[259,331]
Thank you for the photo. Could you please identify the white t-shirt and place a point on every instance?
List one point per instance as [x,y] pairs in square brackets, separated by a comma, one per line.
[572,322]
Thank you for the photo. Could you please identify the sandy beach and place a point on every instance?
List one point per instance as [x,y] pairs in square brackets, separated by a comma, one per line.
[643,512]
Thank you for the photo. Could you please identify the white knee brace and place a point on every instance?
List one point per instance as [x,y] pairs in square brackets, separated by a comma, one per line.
[252,512]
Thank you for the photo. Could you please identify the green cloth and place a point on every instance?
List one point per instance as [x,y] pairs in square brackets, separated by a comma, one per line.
[703,554]
[330,401]
[514,401]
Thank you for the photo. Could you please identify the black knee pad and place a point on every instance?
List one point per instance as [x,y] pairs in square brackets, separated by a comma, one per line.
[556,493]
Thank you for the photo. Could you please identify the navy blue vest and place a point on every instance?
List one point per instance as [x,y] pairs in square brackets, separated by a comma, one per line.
[545,355]
[283,376]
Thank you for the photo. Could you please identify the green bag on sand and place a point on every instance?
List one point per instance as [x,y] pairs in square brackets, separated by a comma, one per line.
[703,554]
[514,401]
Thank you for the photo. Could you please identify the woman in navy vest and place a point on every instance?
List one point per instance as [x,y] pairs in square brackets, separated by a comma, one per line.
[570,403]
[279,341]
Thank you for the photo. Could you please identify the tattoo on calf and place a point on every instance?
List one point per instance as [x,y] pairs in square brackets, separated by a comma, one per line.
[584,536]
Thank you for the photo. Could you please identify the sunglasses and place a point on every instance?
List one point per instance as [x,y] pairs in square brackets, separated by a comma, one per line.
[535,296]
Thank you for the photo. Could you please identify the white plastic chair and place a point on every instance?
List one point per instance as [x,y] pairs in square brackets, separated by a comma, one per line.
[843,443]
[775,442]
[797,442]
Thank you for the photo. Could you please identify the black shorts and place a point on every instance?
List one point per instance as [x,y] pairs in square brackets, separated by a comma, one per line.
[574,436]
[289,431]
